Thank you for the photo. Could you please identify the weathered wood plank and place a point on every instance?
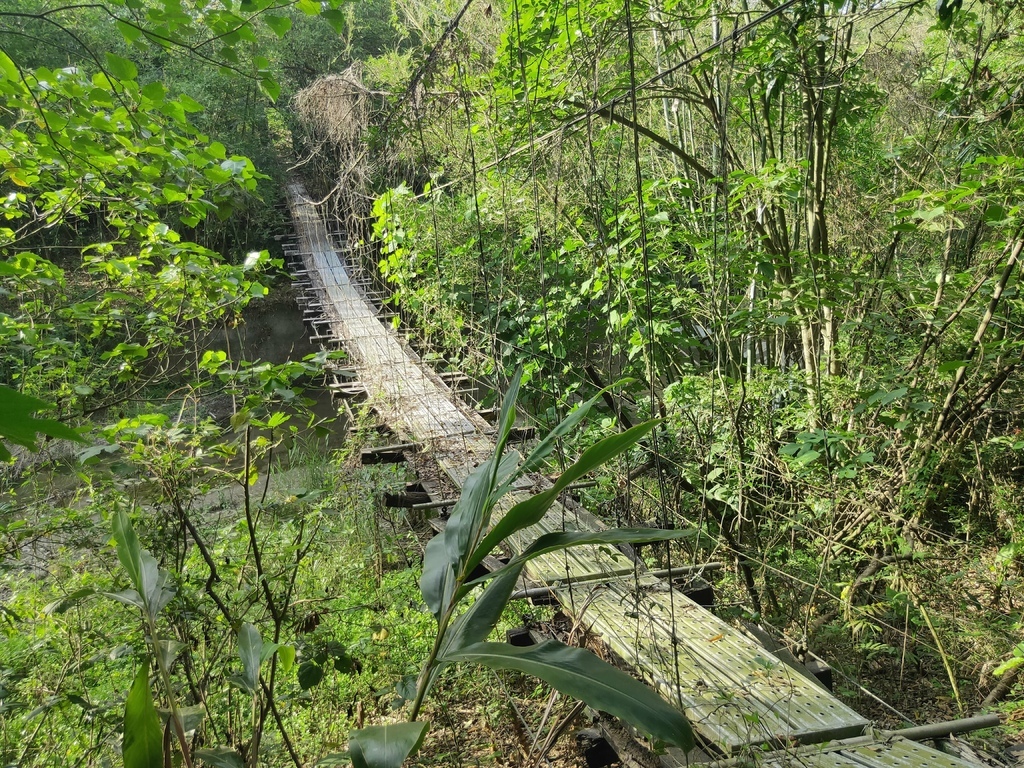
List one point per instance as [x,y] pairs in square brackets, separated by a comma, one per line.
[734,692]
[860,753]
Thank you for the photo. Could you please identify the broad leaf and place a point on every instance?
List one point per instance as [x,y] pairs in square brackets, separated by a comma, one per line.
[280,24]
[168,651]
[129,550]
[547,444]
[580,674]
[437,583]
[8,68]
[270,87]
[68,601]
[468,514]
[121,68]
[250,648]
[19,426]
[149,580]
[385,746]
[310,675]
[507,416]
[128,597]
[286,653]
[530,511]
[221,757]
[476,624]
[503,479]
[143,737]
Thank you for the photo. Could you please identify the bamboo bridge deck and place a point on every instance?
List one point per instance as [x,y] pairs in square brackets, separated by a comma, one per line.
[741,699]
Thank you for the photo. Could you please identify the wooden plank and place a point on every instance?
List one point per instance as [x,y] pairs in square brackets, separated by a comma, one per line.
[860,753]
[734,692]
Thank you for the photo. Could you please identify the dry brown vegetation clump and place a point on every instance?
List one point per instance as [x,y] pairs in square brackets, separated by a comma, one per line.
[336,106]
[336,112]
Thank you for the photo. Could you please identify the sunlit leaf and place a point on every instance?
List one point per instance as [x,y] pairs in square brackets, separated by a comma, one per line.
[121,68]
[578,673]
[143,737]
[280,24]
[385,746]
[250,648]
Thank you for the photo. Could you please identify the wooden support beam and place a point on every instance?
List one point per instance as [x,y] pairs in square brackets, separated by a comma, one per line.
[522,434]
[406,500]
[347,389]
[387,454]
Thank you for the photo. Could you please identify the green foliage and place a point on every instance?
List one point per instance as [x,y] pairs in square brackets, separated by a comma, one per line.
[449,559]
[578,673]
[804,244]
[385,746]
[143,736]
[19,426]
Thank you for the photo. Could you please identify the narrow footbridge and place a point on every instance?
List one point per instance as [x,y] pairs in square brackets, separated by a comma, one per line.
[743,701]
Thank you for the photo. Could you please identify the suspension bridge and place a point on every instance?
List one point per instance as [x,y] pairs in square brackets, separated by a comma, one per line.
[743,701]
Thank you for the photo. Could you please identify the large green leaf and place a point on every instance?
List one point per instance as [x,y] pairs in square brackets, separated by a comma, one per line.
[580,674]
[280,24]
[504,477]
[221,757]
[120,67]
[547,444]
[437,583]
[507,417]
[129,550]
[19,426]
[310,674]
[468,514]
[143,736]
[149,580]
[530,511]
[385,746]
[250,648]
[476,624]
[8,68]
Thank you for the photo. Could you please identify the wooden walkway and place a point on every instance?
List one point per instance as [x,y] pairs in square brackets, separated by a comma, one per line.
[741,699]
